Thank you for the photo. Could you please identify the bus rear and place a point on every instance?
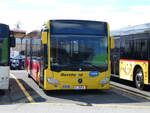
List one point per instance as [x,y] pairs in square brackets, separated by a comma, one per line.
[76,55]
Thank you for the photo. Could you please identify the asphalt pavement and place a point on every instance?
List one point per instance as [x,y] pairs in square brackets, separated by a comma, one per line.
[25,96]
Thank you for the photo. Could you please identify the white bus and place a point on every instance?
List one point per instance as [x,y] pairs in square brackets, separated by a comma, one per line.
[6,41]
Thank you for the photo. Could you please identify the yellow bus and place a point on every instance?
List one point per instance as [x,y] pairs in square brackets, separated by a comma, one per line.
[73,55]
[130,58]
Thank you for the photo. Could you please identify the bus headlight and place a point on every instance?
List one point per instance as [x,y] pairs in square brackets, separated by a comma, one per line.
[53,81]
[104,81]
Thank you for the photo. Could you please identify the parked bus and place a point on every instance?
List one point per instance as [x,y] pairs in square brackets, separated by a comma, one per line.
[70,55]
[130,58]
[6,41]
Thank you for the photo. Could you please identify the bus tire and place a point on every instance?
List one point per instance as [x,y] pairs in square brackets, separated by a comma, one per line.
[139,79]
[29,76]
[41,86]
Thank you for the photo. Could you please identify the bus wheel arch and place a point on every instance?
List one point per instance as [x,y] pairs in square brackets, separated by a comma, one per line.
[138,77]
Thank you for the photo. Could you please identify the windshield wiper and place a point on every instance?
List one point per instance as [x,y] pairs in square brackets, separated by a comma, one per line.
[91,65]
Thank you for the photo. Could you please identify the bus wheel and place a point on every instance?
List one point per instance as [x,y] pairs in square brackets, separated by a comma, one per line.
[139,79]
[29,76]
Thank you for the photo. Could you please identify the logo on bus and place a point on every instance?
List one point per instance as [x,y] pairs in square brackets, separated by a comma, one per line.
[94,74]
[71,74]
[127,69]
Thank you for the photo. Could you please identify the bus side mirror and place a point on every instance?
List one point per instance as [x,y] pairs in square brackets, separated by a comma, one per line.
[44,36]
[12,41]
[112,42]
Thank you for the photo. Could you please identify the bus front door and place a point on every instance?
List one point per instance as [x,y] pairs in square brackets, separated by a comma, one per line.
[43,64]
[116,65]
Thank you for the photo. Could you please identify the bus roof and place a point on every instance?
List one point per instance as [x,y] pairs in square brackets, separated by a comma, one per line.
[132,30]
[1,24]
[71,20]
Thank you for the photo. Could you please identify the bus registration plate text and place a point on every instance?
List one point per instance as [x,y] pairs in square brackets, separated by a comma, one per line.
[80,87]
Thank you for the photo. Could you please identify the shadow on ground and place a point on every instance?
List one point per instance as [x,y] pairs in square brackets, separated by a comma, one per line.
[92,96]
[128,83]
[16,95]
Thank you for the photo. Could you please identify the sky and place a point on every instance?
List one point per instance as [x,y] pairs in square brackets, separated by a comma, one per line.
[32,14]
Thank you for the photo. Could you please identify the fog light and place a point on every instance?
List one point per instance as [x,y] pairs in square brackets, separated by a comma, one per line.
[53,81]
[104,81]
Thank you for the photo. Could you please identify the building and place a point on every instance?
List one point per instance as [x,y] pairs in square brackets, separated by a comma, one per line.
[19,35]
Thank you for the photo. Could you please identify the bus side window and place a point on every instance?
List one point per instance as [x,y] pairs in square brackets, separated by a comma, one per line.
[44,55]
[144,47]
[135,50]
[149,49]
[33,49]
[126,49]
[131,49]
[138,49]
[39,49]
[117,45]
[121,48]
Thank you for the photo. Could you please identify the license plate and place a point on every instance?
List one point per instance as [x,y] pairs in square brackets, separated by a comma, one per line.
[80,87]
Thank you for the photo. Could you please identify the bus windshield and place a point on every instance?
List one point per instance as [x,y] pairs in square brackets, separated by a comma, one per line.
[4,44]
[4,52]
[4,31]
[77,53]
[79,45]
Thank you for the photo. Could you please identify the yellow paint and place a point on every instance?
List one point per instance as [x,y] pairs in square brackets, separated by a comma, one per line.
[127,68]
[72,81]
[47,73]
[48,25]
[44,37]
[29,97]
[112,40]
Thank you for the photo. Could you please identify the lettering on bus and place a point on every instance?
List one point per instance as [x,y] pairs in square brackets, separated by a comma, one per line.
[71,74]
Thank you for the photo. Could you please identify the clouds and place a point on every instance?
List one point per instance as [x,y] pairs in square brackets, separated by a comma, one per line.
[33,13]
[134,15]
